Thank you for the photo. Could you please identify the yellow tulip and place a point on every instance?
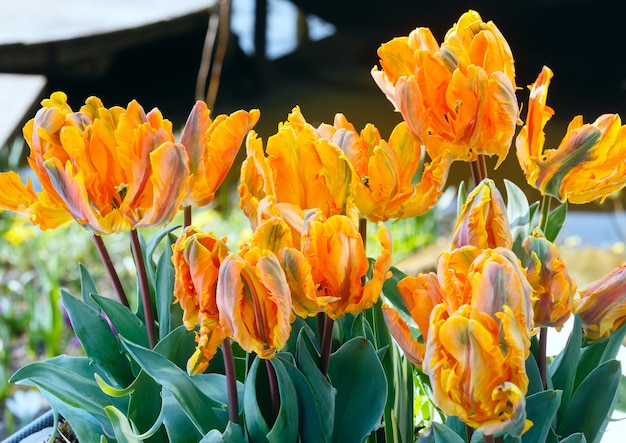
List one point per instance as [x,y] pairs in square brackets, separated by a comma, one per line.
[589,162]
[553,288]
[483,221]
[299,170]
[476,364]
[254,301]
[387,188]
[111,170]
[602,304]
[212,146]
[458,97]
[197,258]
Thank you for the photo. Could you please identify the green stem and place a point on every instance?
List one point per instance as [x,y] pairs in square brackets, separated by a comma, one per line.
[543,333]
[110,269]
[546,202]
[144,287]
[231,381]
[273,381]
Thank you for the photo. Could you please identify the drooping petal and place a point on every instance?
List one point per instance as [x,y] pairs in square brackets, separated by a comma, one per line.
[399,329]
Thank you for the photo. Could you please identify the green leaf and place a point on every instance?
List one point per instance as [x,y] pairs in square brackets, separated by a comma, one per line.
[462,196]
[541,409]
[556,218]
[620,405]
[232,434]
[440,433]
[177,346]
[192,400]
[285,427]
[534,377]
[169,313]
[145,406]
[562,370]
[180,428]
[592,403]
[357,374]
[100,344]
[122,427]
[123,320]
[390,290]
[87,286]
[518,213]
[575,438]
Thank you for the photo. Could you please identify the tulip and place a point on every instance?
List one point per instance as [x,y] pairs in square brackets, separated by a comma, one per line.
[112,170]
[212,146]
[553,288]
[483,221]
[476,365]
[387,188]
[197,258]
[602,304]
[588,163]
[298,171]
[458,97]
[254,301]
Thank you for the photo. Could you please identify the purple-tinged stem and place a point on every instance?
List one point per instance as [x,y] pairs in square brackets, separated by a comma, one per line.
[326,344]
[231,381]
[275,395]
[144,287]
[110,269]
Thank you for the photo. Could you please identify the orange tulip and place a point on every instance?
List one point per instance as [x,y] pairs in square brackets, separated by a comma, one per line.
[254,301]
[111,170]
[197,258]
[553,288]
[602,304]
[483,221]
[212,146]
[458,97]
[588,163]
[386,188]
[300,171]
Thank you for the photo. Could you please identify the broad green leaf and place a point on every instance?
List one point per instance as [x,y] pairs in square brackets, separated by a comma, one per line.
[518,213]
[150,248]
[232,434]
[556,218]
[180,428]
[164,293]
[462,197]
[457,426]
[87,286]
[541,409]
[357,374]
[177,346]
[440,433]
[145,406]
[86,426]
[562,370]
[123,320]
[534,377]
[100,344]
[122,427]
[575,438]
[285,427]
[592,403]
[192,400]
[620,405]
[390,290]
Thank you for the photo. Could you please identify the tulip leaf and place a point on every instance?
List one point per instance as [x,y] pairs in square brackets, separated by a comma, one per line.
[453,422]
[620,405]
[575,438]
[519,215]
[232,434]
[192,400]
[180,428]
[462,197]
[534,377]
[592,403]
[149,249]
[285,427]
[100,344]
[390,290]
[87,286]
[562,369]
[440,433]
[177,346]
[357,374]
[541,409]
[168,312]
[556,218]
[122,427]
[123,320]
[146,405]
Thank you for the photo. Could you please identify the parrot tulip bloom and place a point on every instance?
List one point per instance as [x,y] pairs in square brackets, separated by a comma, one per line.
[602,304]
[197,258]
[386,188]
[301,171]
[212,146]
[589,162]
[254,301]
[553,288]
[483,221]
[112,170]
[459,97]
[476,365]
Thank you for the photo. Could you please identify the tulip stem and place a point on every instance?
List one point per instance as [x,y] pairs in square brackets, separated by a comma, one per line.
[186,216]
[144,287]
[273,381]
[546,202]
[478,168]
[231,381]
[542,350]
[488,438]
[326,341]
[363,231]
[110,269]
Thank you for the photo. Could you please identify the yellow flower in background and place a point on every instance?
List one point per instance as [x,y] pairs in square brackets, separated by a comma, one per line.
[197,258]
[298,171]
[254,301]
[112,170]
[553,288]
[334,250]
[602,304]
[476,365]
[458,97]
[483,221]
[387,170]
[589,162]
[212,146]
